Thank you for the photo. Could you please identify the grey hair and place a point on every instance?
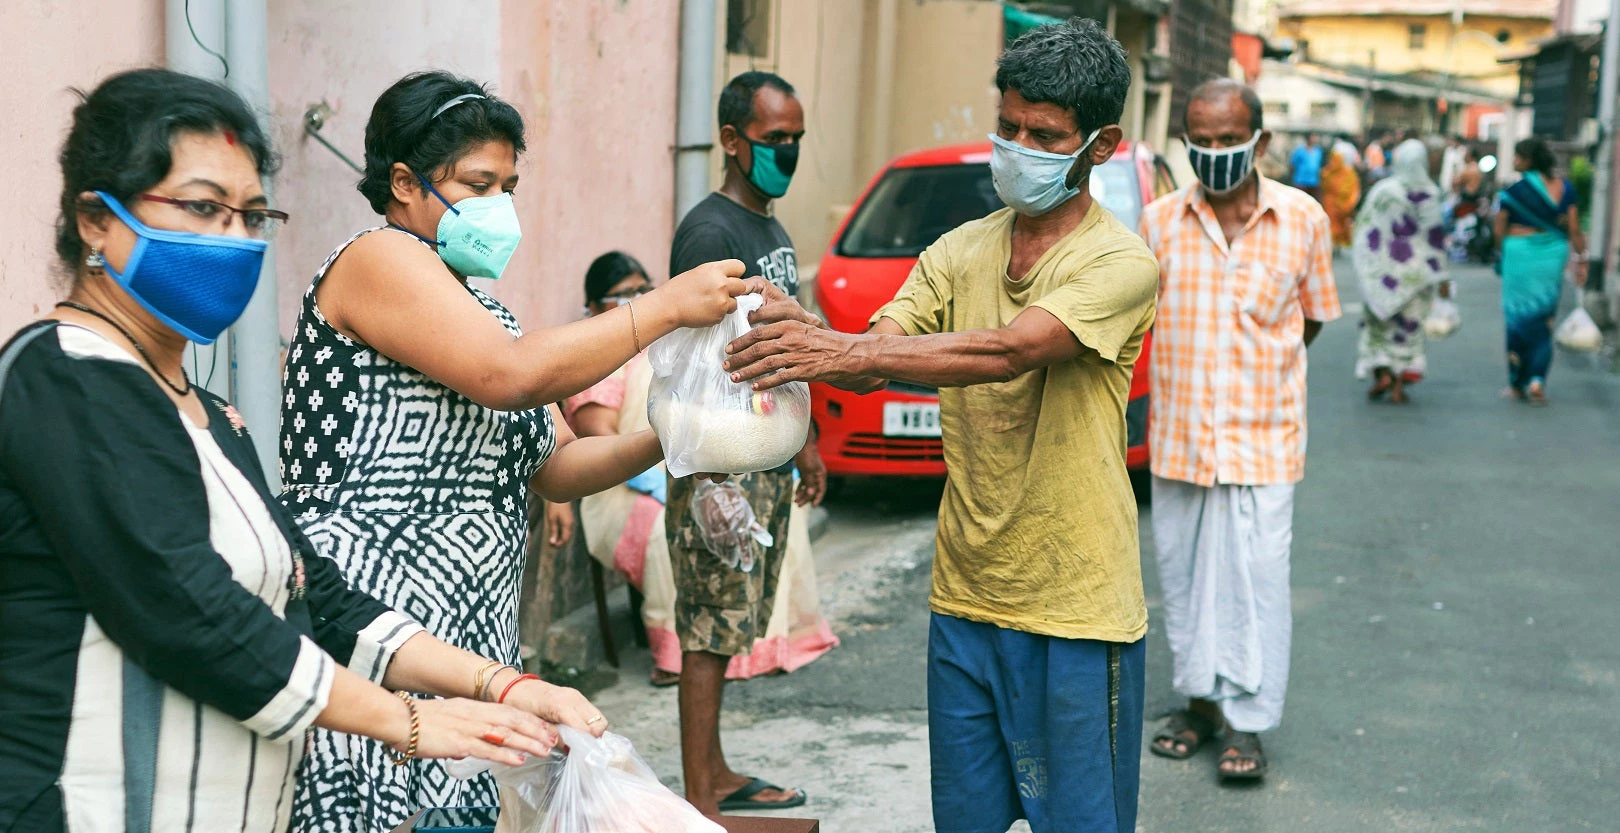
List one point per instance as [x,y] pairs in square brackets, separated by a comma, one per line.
[1216,89]
[1075,65]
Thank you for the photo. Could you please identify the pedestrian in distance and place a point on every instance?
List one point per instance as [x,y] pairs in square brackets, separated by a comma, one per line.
[418,415]
[1029,321]
[1306,162]
[170,634]
[1341,191]
[1247,283]
[1400,259]
[723,608]
[1538,228]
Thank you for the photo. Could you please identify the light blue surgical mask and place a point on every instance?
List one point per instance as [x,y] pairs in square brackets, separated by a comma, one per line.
[477,235]
[1033,182]
[196,284]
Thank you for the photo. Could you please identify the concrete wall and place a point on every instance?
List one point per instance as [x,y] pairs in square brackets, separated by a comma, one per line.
[593,79]
[1470,53]
[876,79]
[48,48]
[1280,88]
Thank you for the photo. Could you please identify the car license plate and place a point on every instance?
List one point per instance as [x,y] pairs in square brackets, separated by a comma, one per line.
[911,419]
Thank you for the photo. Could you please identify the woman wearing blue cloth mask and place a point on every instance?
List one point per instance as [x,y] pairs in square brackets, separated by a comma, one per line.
[418,416]
[167,634]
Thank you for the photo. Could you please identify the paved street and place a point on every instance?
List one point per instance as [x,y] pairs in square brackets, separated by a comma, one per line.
[1456,665]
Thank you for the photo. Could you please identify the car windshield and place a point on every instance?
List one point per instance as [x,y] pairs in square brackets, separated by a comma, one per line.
[910,208]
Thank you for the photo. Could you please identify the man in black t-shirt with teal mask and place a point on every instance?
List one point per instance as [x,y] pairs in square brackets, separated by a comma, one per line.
[721,609]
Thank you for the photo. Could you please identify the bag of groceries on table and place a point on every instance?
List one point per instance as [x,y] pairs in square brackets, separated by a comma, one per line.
[600,786]
[708,423]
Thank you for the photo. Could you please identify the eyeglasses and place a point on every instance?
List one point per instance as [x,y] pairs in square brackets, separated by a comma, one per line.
[262,223]
[619,299]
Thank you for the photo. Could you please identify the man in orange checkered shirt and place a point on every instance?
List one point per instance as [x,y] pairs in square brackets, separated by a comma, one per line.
[1246,284]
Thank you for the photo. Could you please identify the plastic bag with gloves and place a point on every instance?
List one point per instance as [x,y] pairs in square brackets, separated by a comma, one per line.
[727,525]
[708,423]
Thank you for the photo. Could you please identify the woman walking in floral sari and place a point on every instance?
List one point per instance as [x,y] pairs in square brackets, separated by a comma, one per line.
[1538,225]
[624,526]
[1399,257]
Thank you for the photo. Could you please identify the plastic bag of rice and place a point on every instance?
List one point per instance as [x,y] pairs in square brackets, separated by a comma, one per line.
[708,423]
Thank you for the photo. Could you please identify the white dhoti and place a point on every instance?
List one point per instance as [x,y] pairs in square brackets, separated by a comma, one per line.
[1223,566]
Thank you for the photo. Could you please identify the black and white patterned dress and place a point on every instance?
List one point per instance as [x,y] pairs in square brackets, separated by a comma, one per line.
[418,493]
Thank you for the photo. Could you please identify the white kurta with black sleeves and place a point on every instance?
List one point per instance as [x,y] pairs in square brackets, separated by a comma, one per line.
[167,634]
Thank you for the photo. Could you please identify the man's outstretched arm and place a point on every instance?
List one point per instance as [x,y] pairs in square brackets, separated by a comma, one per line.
[795,351]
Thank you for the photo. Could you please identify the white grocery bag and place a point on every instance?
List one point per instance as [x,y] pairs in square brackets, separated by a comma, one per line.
[1579,332]
[710,424]
[600,786]
[1444,318]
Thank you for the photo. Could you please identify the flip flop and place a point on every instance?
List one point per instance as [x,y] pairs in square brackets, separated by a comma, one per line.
[1242,746]
[743,799]
[1182,721]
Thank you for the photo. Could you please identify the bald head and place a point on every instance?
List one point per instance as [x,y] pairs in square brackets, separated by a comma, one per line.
[1225,94]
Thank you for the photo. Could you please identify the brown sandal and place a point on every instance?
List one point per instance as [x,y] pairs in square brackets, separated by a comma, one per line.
[1241,746]
[1175,730]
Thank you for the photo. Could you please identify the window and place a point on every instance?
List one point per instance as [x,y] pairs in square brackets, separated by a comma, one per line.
[1416,35]
[1275,108]
[748,27]
[1324,109]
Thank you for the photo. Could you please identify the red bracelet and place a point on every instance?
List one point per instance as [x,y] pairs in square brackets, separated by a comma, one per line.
[508,689]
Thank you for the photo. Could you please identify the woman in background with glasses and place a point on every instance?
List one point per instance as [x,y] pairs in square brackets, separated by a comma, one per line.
[167,634]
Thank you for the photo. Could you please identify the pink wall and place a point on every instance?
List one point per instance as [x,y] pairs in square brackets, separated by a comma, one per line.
[47,48]
[594,79]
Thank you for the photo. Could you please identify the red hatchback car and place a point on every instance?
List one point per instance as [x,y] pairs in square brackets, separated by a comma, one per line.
[912,202]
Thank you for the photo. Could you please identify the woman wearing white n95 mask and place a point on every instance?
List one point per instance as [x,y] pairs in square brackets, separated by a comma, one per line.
[418,415]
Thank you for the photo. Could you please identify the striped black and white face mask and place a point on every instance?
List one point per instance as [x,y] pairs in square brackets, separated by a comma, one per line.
[1222,170]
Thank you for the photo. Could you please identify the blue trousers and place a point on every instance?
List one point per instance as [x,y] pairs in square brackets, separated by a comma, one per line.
[1035,727]
[1530,349]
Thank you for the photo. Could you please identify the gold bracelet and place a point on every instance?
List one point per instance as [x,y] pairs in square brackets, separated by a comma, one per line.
[482,677]
[401,758]
[635,330]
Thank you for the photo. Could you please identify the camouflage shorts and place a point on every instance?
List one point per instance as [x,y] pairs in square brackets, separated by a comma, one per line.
[721,608]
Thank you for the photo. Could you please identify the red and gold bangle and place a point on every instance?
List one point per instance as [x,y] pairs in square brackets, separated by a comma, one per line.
[508,689]
[401,758]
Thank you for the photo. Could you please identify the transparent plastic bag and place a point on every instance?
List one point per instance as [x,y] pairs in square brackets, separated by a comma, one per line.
[600,786]
[727,525]
[708,423]
[1579,332]
[1444,318]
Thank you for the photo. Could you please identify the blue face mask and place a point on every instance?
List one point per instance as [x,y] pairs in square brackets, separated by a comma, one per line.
[477,235]
[773,167]
[1033,182]
[196,284]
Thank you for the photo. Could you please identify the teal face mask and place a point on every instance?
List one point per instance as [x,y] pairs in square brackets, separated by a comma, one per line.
[477,235]
[773,167]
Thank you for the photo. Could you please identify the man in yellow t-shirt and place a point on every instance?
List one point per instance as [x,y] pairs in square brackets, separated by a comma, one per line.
[1029,321]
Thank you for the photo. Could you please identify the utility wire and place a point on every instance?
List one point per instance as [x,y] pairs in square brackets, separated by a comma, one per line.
[204,47]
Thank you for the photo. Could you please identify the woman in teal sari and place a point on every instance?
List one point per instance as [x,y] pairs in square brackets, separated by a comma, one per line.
[1539,229]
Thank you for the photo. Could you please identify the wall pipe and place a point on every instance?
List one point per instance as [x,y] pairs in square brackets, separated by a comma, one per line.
[194,43]
[694,103]
[256,336]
